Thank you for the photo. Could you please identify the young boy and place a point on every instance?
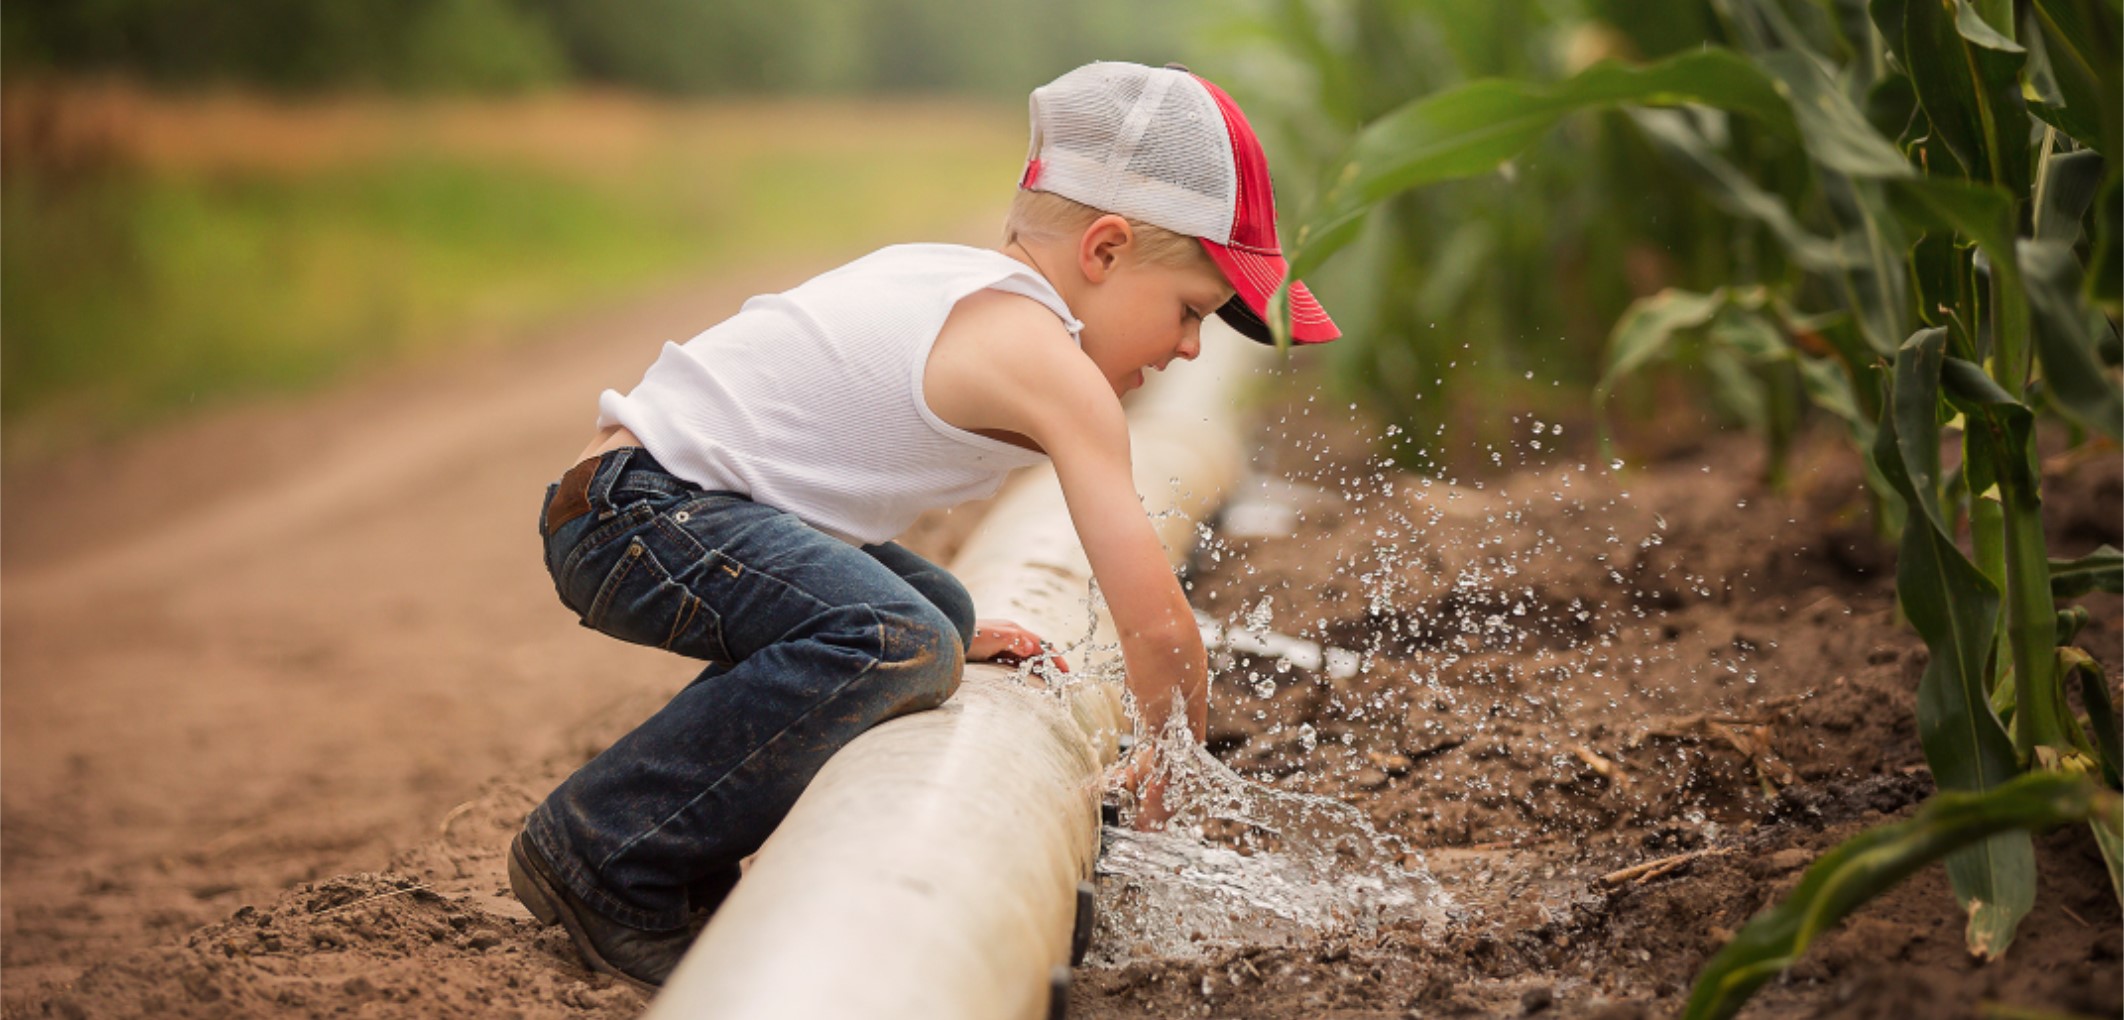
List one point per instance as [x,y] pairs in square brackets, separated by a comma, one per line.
[738,505]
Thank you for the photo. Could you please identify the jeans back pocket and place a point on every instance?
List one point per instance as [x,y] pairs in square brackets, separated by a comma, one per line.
[638,601]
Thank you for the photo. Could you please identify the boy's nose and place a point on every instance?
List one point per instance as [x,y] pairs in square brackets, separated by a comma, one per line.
[1191,345]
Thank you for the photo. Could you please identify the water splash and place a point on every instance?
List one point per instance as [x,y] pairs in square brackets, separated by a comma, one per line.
[1460,616]
[1240,863]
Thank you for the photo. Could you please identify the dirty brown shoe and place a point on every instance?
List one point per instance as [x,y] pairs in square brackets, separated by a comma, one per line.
[641,958]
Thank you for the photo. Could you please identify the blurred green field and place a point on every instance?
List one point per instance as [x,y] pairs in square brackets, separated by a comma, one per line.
[161,255]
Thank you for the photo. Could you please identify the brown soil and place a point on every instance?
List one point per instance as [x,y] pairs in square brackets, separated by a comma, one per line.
[1574,671]
[280,685]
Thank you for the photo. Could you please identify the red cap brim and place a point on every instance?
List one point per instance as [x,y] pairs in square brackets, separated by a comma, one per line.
[1254,276]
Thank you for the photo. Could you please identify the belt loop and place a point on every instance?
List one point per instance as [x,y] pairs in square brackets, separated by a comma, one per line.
[607,476]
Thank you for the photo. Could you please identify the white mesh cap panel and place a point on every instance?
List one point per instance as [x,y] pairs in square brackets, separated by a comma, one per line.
[1146,142]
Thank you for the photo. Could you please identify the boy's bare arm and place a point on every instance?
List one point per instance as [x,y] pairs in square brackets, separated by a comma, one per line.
[1159,639]
[1004,364]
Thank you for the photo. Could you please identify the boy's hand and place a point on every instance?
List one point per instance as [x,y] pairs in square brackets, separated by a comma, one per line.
[1006,642]
[1144,776]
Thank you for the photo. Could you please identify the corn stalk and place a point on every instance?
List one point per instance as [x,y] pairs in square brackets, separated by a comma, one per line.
[1941,265]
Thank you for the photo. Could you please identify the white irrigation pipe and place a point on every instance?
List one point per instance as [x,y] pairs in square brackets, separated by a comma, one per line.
[930,871]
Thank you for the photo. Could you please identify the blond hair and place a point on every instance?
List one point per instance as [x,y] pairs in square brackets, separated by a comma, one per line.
[1045,216]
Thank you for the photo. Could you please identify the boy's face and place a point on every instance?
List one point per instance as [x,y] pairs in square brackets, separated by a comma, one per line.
[1142,316]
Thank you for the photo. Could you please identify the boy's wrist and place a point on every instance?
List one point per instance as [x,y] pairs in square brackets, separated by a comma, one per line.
[1156,705]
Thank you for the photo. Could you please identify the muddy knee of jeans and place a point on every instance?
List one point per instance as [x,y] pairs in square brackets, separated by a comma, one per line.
[957,606]
[923,656]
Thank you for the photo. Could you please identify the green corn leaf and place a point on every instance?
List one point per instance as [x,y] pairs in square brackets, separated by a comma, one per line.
[2031,612]
[1939,271]
[1745,336]
[1996,15]
[1872,862]
[2108,744]
[1864,261]
[1846,383]
[2065,122]
[2003,698]
[2081,39]
[1648,327]
[2066,338]
[1999,433]
[1736,193]
[1857,49]
[1861,362]
[1644,332]
[1954,607]
[1738,391]
[1983,214]
[1475,127]
[1892,108]
[1735,319]
[1887,17]
[2046,102]
[1911,422]
[2107,256]
[1980,475]
[2101,712]
[1766,26]
[2109,836]
[1835,132]
[2071,619]
[1967,77]
[2100,570]
[2069,184]
[1879,291]
[1743,328]
[1830,389]
[1964,383]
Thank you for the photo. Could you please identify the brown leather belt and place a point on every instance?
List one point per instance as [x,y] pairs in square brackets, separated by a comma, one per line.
[572,498]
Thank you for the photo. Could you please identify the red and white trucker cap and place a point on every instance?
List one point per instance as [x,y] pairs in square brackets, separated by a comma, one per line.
[1162,146]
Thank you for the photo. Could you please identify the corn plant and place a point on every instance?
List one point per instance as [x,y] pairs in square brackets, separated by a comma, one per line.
[1852,871]
[1484,277]
[1952,273]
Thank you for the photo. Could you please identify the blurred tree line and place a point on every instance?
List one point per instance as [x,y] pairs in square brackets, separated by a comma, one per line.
[692,47]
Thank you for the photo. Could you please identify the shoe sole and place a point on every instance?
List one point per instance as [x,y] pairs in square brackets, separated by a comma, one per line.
[538,894]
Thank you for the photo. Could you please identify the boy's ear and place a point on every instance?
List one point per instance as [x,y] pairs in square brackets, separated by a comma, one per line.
[1106,242]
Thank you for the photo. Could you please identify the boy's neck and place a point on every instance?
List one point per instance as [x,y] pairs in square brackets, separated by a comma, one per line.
[1042,256]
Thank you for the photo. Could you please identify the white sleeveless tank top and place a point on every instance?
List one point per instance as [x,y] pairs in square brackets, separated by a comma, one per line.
[811,400]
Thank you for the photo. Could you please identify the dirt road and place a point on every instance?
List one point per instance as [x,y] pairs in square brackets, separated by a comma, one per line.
[283,643]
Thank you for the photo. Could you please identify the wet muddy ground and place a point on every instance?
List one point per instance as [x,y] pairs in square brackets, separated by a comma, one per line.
[1569,673]
[1615,713]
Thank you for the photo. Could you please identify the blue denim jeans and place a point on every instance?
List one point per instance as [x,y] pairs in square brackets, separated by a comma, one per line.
[809,641]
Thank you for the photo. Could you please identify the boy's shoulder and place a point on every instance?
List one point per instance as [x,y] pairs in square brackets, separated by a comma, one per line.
[1004,361]
[1011,314]
[994,333]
